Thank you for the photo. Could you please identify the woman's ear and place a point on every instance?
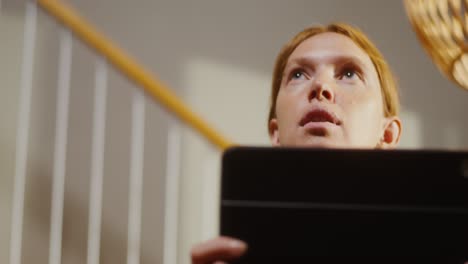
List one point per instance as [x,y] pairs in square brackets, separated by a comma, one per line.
[274,133]
[391,133]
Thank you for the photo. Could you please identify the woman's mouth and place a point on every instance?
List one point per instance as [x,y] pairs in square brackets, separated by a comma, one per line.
[319,121]
[318,116]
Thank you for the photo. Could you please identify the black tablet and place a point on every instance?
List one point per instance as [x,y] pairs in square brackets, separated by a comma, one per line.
[328,206]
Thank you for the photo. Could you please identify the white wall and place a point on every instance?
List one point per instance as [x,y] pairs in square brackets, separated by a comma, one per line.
[218,56]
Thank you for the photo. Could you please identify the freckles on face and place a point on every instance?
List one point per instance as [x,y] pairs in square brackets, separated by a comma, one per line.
[332,82]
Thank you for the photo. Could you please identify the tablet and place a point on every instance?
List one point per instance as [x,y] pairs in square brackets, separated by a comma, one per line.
[327,206]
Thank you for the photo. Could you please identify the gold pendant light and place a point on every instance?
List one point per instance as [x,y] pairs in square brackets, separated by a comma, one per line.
[442,28]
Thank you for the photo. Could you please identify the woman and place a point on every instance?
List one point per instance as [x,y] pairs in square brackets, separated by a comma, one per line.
[331,88]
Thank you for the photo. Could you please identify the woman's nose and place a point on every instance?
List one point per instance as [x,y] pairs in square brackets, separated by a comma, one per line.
[322,89]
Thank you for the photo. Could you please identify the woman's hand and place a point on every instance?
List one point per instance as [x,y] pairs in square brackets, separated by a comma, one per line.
[218,250]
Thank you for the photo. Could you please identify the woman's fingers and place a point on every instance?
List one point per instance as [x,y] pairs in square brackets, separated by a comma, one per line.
[218,250]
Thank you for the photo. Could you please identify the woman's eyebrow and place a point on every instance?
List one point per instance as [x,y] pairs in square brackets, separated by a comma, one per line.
[333,59]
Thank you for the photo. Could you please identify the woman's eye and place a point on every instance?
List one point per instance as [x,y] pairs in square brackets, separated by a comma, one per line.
[297,75]
[348,74]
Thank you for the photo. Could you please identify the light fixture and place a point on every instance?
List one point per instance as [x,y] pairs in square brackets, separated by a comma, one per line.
[442,28]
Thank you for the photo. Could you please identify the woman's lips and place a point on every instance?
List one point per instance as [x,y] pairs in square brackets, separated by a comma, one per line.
[319,122]
[319,117]
[319,128]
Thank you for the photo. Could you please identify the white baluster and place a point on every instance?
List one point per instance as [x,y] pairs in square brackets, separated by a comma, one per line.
[172,194]
[22,133]
[136,178]
[97,162]
[61,129]
[210,195]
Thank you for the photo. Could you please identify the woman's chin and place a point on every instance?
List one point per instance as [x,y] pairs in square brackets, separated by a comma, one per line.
[318,142]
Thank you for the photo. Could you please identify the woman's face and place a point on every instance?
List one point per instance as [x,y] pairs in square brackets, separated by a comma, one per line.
[330,96]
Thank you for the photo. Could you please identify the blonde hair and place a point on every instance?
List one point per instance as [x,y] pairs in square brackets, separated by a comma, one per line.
[387,80]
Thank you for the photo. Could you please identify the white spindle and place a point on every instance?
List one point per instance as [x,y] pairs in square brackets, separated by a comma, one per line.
[172,194]
[136,178]
[97,163]
[210,196]
[29,43]
[58,186]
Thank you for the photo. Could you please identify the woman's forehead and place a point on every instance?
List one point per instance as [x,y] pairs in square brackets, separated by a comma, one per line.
[330,46]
